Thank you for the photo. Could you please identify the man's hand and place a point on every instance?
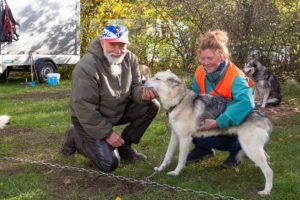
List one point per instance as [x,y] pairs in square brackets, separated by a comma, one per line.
[208,124]
[149,94]
[114,140]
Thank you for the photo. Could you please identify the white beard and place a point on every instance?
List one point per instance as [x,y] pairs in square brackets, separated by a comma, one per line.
[113,59]
[115,69]
[115,63]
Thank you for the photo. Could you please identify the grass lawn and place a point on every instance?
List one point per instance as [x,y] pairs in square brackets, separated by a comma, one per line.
[40,118]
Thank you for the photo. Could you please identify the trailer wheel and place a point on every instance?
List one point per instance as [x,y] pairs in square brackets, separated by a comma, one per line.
[44,68]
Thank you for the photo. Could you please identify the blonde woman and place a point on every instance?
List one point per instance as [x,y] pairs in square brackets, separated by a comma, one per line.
[217,75]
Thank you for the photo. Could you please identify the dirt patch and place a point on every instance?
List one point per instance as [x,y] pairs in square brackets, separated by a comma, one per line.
[13,131]
[29,141]
[65,181]
[282,111]
[11,168]
[29,133]
[43,95]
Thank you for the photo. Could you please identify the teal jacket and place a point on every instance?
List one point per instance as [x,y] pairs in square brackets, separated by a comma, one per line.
[241,103]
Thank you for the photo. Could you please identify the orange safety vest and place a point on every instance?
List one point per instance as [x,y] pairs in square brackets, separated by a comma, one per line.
[224,86]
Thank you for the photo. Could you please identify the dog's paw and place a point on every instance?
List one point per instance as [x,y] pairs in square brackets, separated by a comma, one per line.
[173,173]
[159,169]
[264,192]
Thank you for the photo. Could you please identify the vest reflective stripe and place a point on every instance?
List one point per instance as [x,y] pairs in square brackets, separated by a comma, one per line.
[224,86]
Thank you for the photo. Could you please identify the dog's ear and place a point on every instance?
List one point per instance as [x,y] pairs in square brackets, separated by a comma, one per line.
[168,70]
[148,72]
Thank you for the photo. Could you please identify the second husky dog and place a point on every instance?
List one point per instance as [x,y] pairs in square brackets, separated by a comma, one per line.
[186,110]
[267,87]
[145,72]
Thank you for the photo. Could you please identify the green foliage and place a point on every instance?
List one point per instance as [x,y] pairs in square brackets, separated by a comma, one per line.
[164,34]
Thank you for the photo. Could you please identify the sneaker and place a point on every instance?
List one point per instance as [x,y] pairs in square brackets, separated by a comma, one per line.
[128,153]
[198,154]
[231,161]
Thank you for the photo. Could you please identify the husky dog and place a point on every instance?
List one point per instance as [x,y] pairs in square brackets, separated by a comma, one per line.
[266,85]
[145,72]
[4,119]
[186,110]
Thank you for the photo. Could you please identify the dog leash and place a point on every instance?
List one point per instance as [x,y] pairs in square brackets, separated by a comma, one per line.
[161,156]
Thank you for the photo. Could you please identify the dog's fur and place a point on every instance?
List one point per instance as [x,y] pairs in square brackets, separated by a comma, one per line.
[4,119]
[145,72]
[266,85]
[186,110]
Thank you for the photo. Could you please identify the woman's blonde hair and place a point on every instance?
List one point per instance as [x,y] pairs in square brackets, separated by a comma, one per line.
[214,40]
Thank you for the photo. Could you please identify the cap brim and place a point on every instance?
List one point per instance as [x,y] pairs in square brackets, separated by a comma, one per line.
[117,40]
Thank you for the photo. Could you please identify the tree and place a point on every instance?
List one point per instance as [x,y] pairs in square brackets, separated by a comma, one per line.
[164,33]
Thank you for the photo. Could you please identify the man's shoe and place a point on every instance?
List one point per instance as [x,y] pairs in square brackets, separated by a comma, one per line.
[129,154]
[69,148]
[66,151]
[198,154]
[231,161]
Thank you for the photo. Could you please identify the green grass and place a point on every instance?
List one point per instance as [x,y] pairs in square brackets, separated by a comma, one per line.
[40,118]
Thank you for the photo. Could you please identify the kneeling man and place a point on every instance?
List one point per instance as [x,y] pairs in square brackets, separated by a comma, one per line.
[107,91]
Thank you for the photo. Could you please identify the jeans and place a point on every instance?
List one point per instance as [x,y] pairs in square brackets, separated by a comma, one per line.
[137,116]
[220,142]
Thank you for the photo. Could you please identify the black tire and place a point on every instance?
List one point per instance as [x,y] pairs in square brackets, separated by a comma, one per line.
[43,68]
[4,75]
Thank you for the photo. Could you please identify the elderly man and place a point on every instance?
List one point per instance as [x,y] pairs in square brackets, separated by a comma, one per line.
[107,91]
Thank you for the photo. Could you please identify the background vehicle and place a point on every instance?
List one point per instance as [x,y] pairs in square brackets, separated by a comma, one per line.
[48,37]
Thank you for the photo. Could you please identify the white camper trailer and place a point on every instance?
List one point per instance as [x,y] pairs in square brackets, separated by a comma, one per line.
[48,36]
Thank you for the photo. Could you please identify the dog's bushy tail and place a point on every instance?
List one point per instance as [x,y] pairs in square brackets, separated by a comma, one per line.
[274,101]
[4,119]
[275,95]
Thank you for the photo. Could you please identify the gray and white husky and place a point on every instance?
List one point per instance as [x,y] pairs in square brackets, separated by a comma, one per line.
[4,119]
[186,110]
[266,85]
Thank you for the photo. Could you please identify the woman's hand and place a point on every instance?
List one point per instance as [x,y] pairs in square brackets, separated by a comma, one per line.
[208,124]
